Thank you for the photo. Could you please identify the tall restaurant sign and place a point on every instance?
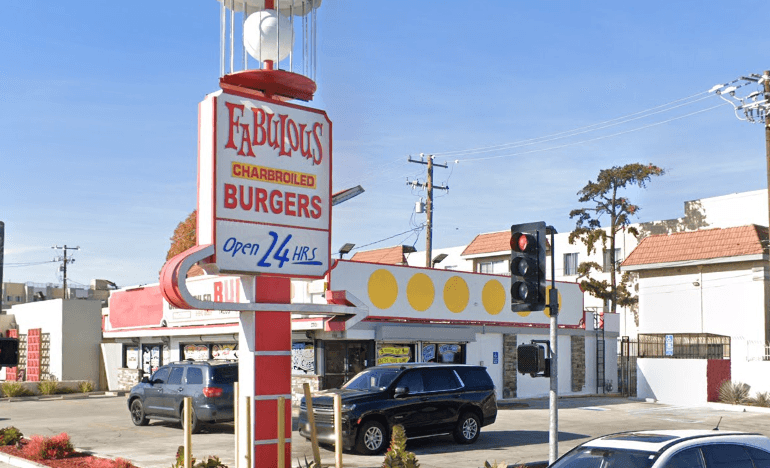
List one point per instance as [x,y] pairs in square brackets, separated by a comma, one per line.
[264,185]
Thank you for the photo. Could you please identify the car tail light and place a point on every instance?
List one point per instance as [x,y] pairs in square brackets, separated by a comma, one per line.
[211,392]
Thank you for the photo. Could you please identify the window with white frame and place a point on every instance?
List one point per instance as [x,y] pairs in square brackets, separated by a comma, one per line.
[495,267]
[607,267]
[570,264]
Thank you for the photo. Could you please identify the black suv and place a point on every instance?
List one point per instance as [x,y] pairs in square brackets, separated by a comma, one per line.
[427,399]
[208,383]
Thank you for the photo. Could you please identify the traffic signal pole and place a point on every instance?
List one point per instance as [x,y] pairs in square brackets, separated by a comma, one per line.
[528,293]
[553,394]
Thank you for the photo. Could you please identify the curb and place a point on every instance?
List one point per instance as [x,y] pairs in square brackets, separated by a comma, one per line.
[66,396]
[20,462]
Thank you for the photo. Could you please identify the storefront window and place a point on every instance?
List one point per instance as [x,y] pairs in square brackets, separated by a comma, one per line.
[132,357]
[196,352]
[447,353]
[302,358]
[394,353]
[224,351]
[151,358]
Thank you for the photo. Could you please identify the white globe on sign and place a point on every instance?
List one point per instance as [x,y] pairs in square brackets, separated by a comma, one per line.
[268,35]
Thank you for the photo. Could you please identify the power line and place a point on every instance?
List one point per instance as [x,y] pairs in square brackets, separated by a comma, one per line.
[411,231]
[582,130]
[550,148]
[26,264]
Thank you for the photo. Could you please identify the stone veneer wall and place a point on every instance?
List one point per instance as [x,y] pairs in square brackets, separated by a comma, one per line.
[510,363]
[578,343]
[127,378]
[297,389]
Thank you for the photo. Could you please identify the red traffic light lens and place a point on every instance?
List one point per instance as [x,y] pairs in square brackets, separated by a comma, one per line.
[523,242]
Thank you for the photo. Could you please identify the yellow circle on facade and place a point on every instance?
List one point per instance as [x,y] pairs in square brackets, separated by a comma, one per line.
[547,310]
[456,294]
[383,289]
[493,297]
[420,292]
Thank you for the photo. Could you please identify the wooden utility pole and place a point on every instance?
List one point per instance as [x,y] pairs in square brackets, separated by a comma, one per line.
[428,204]
[767,140]
[64,261]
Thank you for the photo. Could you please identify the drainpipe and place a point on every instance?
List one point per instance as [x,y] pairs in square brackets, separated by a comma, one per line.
[700,284]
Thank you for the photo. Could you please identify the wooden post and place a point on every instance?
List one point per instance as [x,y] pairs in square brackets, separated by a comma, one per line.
[281,432]
[237,431]
[248,451]
[187,432]
[338,431]
[311,421]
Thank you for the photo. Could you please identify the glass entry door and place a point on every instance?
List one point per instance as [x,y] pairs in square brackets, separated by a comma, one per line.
[343,360]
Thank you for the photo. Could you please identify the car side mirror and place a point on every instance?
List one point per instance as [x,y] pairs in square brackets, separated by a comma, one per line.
[401,391]
[145,379]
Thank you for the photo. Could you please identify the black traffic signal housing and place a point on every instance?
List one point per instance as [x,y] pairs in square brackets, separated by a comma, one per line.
[528,267]
[9,352]
[531,360]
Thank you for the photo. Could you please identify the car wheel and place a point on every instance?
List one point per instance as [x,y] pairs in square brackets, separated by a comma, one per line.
[467,429]
[137,413]
[372,437]
[195,424]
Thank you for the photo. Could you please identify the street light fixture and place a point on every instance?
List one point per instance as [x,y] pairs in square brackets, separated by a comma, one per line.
[346,249]
[439,258]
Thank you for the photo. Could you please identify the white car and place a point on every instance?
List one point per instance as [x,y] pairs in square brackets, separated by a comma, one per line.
[671,449]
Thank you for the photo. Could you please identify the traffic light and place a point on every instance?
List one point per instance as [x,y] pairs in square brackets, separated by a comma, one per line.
[531,360]
[528,267]
[9,352]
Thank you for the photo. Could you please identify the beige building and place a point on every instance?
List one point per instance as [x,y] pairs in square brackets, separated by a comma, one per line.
[23,293]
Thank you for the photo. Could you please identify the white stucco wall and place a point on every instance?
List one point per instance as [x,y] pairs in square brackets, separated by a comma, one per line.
[46,315]
[82,334]
[747,366]
[723,299]
[736,209]
[112,354]
[535,387]
[481,352]
[74,327]
[654,380]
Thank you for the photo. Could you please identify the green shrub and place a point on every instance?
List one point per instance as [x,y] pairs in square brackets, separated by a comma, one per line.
[15,389]
[397,456]
[48,387]
[85,386]
[10,436]
[734,393]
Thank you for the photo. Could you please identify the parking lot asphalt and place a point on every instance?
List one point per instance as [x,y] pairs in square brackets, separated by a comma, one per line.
[102,425]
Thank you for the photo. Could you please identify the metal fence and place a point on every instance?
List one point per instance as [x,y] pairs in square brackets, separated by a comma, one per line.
[684,346]
[627,366]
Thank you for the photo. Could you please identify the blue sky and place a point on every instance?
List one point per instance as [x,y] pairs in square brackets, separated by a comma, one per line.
[98,117]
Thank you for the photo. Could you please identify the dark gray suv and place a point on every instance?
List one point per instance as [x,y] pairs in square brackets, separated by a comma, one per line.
[208,383]
[427,399]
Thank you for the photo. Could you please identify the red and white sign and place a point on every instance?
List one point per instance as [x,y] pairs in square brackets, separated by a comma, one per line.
[264,185]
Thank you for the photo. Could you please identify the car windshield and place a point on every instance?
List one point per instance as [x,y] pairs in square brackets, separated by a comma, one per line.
[588,457]
[372,380]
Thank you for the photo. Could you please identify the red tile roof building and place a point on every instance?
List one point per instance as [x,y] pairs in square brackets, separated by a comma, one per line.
[388,256]
[699,247]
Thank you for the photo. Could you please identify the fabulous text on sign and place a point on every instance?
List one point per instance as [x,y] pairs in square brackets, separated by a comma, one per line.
[271,176]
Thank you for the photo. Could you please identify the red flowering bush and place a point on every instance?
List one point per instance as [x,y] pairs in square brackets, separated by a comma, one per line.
[47,448]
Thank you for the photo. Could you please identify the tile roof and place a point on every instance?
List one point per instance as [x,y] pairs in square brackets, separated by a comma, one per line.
[488,243]
[699,245]
[493,242]
[388,256]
